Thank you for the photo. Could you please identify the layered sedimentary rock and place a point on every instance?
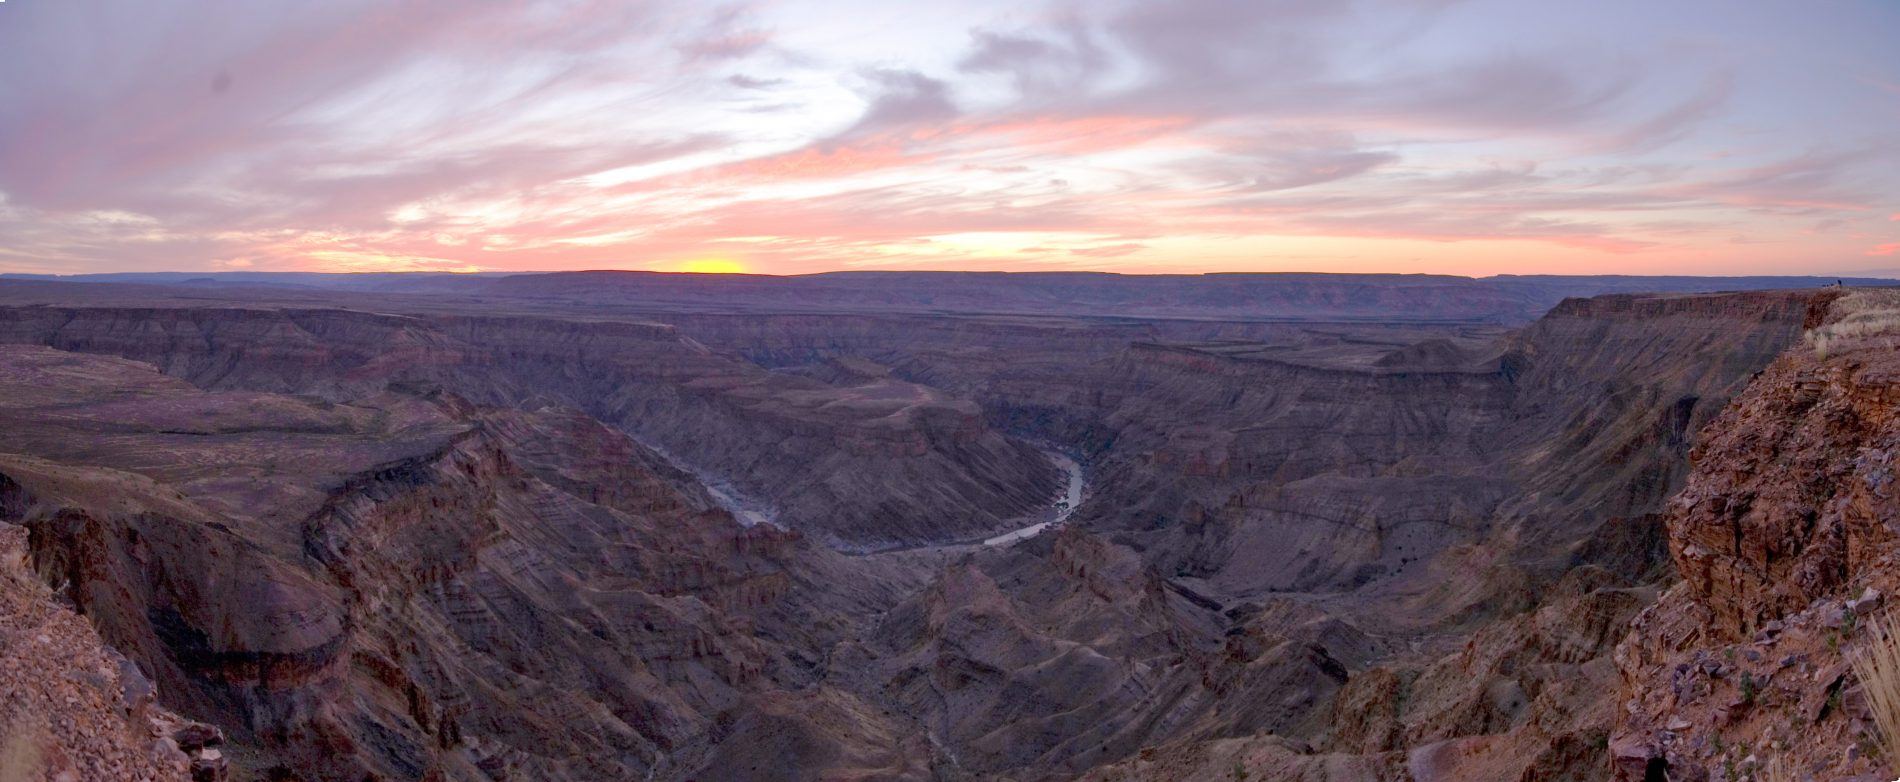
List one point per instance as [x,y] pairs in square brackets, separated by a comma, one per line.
[1259,474]
[1785,544]
[868,464]
[406,586]
[72,707]
[419,544]
[1457,505]
[1437,491]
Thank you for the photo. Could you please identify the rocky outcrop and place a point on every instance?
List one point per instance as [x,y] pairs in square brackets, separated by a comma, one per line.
[1524,699]
[72,707]
[1784,542]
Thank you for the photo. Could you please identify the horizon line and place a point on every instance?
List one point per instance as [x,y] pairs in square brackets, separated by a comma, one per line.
[1882,274]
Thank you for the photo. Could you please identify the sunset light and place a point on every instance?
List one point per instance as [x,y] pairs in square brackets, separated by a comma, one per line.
[1468,137]
[712,266]
[949,390]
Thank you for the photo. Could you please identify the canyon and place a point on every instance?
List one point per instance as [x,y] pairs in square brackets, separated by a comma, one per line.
[603,525]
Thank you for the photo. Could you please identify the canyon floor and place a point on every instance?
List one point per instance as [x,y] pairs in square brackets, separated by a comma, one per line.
[598,526]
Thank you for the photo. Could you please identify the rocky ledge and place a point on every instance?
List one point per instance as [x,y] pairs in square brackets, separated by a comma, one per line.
[1787,540]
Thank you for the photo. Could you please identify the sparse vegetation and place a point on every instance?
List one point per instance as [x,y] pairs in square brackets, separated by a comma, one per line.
[1859,320]
[1877,666]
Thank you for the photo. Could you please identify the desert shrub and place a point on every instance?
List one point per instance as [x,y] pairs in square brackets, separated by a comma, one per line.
[1859,320]
[1877,666]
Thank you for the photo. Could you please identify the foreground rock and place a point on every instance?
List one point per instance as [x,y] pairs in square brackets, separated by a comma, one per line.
[72,708]
[1785,541]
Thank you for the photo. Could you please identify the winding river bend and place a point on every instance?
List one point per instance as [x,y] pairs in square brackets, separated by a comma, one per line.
[750,511]
[1071,498]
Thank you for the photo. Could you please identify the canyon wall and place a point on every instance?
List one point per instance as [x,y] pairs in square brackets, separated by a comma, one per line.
[1785,544]
[425,545]
[872,464]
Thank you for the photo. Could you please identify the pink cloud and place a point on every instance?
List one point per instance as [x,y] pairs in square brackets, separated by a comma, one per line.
[1074,135]
[1110,251]
[1890,248]
[819,162]
[288,134]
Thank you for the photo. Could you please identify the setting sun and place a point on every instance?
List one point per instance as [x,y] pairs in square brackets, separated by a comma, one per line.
[712,266]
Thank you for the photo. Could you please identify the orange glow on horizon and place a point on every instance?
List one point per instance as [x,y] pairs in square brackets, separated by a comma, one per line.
[712,266]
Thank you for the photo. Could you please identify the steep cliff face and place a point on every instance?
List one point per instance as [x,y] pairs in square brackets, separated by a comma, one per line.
[1260,474]
[72,707]
[1440,495]
[415,587]
[1411,500]
[1612,390]
[1785,544]
[866,465]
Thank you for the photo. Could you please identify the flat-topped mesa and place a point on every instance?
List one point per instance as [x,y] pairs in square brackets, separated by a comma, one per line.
[1736,305]
[1612,391]
[1620,334]
[336,353]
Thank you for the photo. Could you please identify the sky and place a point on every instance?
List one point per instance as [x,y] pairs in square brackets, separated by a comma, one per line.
[791,136]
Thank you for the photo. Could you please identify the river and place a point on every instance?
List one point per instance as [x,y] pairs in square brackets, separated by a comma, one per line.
[1072,497]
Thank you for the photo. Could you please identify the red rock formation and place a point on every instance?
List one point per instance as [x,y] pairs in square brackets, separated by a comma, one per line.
[72,707]
[1784,543]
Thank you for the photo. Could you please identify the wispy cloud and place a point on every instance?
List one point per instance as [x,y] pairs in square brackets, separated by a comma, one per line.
[804,135]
